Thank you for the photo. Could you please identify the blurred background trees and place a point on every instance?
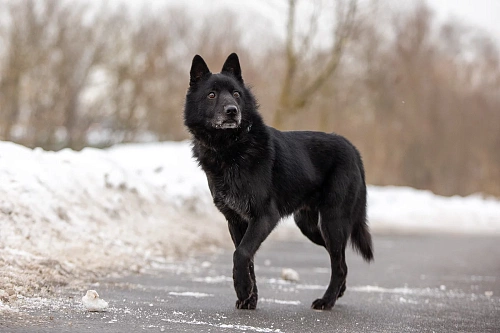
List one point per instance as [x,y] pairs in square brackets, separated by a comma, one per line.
[419,97]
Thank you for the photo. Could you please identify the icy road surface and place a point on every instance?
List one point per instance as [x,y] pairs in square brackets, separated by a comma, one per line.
[416,284]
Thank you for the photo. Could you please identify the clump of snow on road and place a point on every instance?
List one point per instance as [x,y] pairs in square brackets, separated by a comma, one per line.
[71,215]
[289,274]
[93,303]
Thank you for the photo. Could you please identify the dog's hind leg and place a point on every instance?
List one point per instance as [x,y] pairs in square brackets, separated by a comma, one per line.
[334,227]
[307,221]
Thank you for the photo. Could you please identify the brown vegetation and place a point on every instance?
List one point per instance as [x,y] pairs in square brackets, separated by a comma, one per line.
[419,98]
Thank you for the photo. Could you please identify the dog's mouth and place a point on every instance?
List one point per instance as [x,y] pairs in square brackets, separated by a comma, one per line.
[227,124]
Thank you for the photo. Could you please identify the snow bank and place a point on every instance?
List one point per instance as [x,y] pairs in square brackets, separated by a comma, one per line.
[81,214]
[69,215]
[390,208]
[404,209]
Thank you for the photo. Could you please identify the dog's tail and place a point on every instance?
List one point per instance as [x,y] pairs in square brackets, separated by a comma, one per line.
[361,239]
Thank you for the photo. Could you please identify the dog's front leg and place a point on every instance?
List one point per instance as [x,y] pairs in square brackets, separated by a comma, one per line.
[244,283]
[237,229]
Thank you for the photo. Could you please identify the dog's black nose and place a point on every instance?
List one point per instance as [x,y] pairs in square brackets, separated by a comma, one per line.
[231,110]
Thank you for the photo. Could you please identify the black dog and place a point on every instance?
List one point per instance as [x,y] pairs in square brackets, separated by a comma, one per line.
[257,175]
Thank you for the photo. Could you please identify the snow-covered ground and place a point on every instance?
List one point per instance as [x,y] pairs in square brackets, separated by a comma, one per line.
[69,216]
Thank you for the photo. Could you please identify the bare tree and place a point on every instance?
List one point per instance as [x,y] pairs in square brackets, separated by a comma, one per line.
[14,63]
[297,90]
[51,51]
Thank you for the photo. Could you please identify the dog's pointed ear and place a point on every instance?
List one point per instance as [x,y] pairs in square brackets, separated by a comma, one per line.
[232,66]
[199,70]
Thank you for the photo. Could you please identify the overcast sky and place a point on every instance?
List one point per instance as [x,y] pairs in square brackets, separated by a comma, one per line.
[484,14]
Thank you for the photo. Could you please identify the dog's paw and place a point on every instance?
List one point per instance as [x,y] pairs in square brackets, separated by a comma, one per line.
[321,304]
[248,304]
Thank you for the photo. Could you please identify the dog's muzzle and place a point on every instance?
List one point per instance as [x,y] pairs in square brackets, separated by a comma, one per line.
[231,117]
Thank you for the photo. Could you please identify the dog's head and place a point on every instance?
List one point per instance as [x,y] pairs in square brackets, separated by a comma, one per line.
[218,101]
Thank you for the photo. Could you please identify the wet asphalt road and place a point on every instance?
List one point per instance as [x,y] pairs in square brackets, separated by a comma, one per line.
[416,284]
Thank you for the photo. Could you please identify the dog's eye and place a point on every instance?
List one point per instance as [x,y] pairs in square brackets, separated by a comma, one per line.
[236,94]
[211,95]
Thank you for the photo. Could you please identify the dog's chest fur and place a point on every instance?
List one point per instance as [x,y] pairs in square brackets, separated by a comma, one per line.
[232,190]
[233,181]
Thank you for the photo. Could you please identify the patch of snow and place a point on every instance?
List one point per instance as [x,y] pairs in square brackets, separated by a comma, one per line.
[276,281]
[220,325]
[377,289]
[409,301]
[310,287]
[206,264]
[278,301]
[214,279]
[426,292]
[190,294]
[4,307]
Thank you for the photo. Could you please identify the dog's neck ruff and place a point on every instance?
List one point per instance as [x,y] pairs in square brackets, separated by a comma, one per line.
[210,144]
